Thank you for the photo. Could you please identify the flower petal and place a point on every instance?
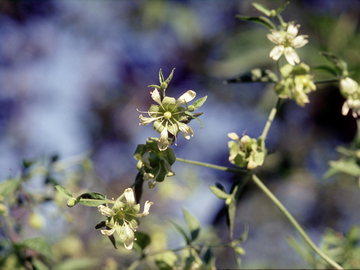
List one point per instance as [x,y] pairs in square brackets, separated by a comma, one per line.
[233,136]
[129,196]
[163,142]
[106,211]
[348,86]
[299,41]
[292,29]
[108,232]
[187,97]
[146,208]
[291,56]
[275,37]
[146,120]
[128,235]
[276,52]
[155,95]
[186,130]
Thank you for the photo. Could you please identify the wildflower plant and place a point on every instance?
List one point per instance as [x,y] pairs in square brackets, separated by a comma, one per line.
[170,116]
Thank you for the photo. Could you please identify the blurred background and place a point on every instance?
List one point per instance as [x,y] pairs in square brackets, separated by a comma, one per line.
[73,74]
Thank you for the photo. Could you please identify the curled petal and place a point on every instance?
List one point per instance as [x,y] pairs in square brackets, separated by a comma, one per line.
[291,56]
[108,232]
[128,235]
[186,130]
[148,176]
[146,208]
[163,142]
[277,52]
[129,196]
[155,95]
[187,97]
[299,41]
[348,86]
[106,211]
[146,120]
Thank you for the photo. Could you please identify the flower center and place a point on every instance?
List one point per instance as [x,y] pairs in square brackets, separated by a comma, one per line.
[120,215]
[167,115]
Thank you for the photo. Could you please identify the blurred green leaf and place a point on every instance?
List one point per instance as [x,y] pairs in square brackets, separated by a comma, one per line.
[8,187]
[262,9]
[166,260]
[261,20]
[193,224]
[182,232]
[255,75]
[142,241]
[77,264]
[39,245]
[64,192]
[219,193]
[340,64]
[199,102]
[348,166]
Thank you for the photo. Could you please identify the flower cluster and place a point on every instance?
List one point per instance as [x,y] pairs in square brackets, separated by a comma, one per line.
[296,83]
[246,152]
[122,218]
[153,163]
[286,40]
[351,91]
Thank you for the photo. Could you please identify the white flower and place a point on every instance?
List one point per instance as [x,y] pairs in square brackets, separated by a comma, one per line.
[286,41]
[167,116]
[123,217]
[351,91]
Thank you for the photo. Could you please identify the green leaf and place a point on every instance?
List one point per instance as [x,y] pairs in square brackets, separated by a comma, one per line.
[219,193]
[255,75]
[78,264]
[340,64]
[166,260]
[327,69]
[344,151]
[262,9]
[194,117]
[154,86]
[161,76]
[183,233]
[64,192]
[261,20]
[199,102]
[348,166]
[170,76]
[86,199]
[8,187]
[193,224]
[38,265]
[280,9]
[39,245]
[142,241]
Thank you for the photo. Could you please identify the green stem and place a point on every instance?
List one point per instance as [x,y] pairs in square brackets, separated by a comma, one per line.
[270,119]
[212,166]
[327,81]
[294,222]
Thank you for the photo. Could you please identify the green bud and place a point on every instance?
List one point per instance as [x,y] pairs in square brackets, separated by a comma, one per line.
[228,201]
[272,13]
[191,108]
[164,85]
[71,202]
[239,250]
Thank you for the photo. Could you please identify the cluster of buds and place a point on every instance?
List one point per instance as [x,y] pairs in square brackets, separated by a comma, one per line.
[296,83]
[351,91]
[153,163]
[123,218]
[246,152]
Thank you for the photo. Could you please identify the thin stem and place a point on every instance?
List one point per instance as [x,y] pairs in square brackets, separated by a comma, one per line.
[327,81]
[212,166]
[270,119]
[294,222]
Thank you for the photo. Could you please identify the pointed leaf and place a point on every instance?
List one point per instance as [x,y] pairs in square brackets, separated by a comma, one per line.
[194,117]
[8,187]
[261,20]
[138,186]
[262,9]
[199,102]
[193,224]
[161,77]
[170,76]
[338,62]
[183,233]
[100,225]
[154,86]
[219,193]
[64,192]
[348,166]
[280,9]
[39,245]
[327,69]
[93,199]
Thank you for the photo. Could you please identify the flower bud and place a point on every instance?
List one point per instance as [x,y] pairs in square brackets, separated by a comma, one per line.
[164,85]
[245,140]
[191,108]
[35,221]
[71,202]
